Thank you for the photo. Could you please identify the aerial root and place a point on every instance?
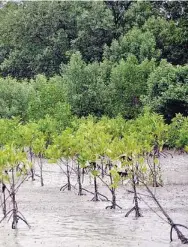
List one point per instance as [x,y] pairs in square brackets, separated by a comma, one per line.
[10,216]
[94,199]
[183,239]
[137,211]
[17,218]
[113,206]
[24,220]
[106,198]
[6,215]
[66,186]
[88,191]
[33,179]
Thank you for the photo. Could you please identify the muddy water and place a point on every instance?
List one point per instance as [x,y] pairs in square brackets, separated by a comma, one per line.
[62,219]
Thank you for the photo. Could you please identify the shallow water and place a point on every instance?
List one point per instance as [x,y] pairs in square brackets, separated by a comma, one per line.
[65,219]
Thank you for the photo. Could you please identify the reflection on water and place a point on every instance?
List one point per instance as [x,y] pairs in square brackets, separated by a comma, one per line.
[62,219]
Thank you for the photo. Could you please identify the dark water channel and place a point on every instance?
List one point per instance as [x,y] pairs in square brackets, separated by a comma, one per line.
[65,219]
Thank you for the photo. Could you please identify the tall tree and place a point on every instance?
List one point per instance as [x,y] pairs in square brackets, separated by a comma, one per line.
[35,37]
[171,39]
[167,91]
[175,51]
[95,29]
[87,86]
[128,83]
[139,43]
[49,98]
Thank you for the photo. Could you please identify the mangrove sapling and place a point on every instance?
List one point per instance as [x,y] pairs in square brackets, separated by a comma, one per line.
[39,149]
[68,176]
[94,173]
[91,142]
[83,173]
[63,151]
[26,137]
[102,166]
[132,163]
[79,174]
[114,180]
[97,195]
[67,173]
[136,207]
[40,163]
[150,132]
[32,166]
[16,215]
[154,166]
[14,162]
[174,226]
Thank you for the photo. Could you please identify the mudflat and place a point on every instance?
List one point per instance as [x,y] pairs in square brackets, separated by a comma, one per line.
[62,219]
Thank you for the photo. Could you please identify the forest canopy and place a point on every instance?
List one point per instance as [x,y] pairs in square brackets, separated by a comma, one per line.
[93,58]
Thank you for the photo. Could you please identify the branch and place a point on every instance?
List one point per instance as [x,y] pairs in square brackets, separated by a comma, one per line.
[105,183]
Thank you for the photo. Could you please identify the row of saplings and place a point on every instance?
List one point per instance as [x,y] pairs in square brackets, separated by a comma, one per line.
[108,148]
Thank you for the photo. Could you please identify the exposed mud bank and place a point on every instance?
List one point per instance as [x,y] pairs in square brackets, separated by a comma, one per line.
[66,219]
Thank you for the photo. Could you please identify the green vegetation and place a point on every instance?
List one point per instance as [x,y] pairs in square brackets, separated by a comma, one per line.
[100,87]
[104,58]
[106,148]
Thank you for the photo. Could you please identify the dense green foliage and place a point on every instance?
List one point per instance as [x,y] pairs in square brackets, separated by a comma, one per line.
[14,97]
[178,132]
[89,140]
[94,58]
[167,90]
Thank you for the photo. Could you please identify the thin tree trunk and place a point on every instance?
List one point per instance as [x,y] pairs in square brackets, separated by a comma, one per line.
[102,168]
[68,177]
[4,204]
[137,211]
[83,173]
[32,170]
[136,207]
[112,190]
[154,173]
[113,198]
[96,198]
[14,209]
[174,226]
[4,198]
[79,180]
[41,171]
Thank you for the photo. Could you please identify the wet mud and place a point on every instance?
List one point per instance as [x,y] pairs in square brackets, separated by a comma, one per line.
[62,219]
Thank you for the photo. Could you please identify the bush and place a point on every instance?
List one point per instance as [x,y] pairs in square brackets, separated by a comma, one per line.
[178,132]
[14,98]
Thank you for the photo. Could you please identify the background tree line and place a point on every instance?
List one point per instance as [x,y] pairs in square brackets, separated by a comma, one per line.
[99,58]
